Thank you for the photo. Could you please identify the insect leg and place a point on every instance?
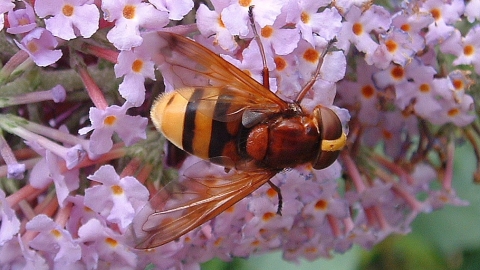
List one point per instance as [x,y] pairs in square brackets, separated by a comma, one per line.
[280,198]
[265,73]
[314,78]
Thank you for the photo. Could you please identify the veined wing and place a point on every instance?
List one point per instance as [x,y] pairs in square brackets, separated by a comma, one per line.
[182,206]
[186,63]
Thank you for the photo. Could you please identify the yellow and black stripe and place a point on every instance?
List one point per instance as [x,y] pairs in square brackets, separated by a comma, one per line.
[185,117]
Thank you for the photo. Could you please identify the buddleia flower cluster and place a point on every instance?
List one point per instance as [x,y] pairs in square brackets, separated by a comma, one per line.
[80,157]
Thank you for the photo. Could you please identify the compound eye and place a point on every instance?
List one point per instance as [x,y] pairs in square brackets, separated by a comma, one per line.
[333,139]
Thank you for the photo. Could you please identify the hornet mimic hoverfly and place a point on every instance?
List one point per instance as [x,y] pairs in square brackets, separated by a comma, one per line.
[222,115]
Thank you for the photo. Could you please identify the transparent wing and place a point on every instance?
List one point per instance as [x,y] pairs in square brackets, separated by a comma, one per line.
[184,205]
[185,63]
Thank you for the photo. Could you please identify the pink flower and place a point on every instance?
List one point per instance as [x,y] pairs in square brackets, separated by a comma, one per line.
[48,170]
[412,23]
[394,47]
[69,18]
[471,10]
[16,254]
[102,247]
[5,6]
[113,119]
[129,16]
[209,22]
[117,199]
[470,49]
[56,242]
[304,14]
[250,63]
[10,224]
[176,8]
[362,93]
[135,66]
[265,13]
[275,37]
[40,45]
[21,20]
[445,15]
[359,25]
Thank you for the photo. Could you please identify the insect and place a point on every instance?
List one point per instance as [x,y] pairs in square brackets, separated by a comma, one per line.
[222,115]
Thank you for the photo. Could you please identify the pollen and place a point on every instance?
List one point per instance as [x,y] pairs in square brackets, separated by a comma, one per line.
[117,190]
[67,10]
[397,72]
[444,198]
[436,14]
[453,112]
[357,29]
[468,50]
[392,46]
[311,55]
[245,3]
[56,233]
[267,216]
[267,31]
[271,192]
[23,21]
[110,120]
[218,242]
[231,209]
[129,12]
[111,242]
[305,17]
[406,27]
[424,88]
[458,84]
[32,47]
[220,22]
[137,66]
[321,205]
[368,91]
[387,135]
[280,63]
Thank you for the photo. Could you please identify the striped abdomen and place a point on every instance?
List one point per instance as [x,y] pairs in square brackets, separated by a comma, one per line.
[187,121]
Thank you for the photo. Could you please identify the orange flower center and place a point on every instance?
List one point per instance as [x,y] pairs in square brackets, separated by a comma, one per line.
[137,65]
[110,120]
[267,31]
[67,10]
[129,12]
[117,190]
[368,91]
[305,17]
[468,50]
[357,29]
[245,3]
[280,63]
[397,72]
[311,55]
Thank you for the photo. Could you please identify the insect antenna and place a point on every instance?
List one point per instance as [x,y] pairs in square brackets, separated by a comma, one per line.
[314,78]
[265,73]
